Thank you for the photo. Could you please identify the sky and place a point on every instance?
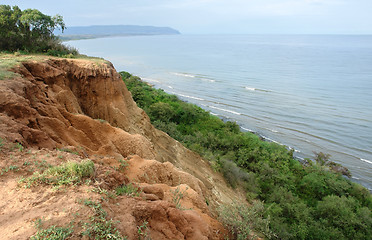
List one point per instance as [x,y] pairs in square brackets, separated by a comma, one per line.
[216,16]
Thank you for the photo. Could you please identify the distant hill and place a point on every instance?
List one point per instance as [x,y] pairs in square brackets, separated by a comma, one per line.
[83,32]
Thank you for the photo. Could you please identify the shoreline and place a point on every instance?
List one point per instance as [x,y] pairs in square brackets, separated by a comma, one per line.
[141,61]
[296,152]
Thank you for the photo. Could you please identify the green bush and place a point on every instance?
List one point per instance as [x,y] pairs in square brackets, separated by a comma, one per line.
[295,196]
[241,220]
[161,111]
[346,215]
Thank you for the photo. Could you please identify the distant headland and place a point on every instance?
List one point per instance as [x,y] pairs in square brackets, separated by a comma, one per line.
[98,31]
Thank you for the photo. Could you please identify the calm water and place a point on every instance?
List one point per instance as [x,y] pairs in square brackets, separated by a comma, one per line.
[308,92]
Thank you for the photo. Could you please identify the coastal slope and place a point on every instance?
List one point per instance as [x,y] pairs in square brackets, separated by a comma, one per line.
[65,110]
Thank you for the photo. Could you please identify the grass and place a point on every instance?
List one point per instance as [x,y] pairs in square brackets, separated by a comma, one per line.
[143,231]
[99,227]
[42,164]
[66,174]
[129,190]
[9,61]
[7,169]
[106,193]
[178,195]
[17,146]
[68,151]
[53,232]
[123,164]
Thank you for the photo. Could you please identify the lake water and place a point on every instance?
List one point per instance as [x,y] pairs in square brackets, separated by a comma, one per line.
[308,92]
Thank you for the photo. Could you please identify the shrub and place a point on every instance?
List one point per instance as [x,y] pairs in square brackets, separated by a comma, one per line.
[233,174]
[291,191]
[125,75]
[161,111]
[345,215]
[241,219]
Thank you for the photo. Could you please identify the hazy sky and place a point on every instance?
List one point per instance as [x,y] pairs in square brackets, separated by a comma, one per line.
[216,16]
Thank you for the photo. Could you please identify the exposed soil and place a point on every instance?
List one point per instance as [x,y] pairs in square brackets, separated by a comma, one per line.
[83,106]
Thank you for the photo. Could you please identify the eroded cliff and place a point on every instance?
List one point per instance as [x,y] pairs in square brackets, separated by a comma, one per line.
[83,106]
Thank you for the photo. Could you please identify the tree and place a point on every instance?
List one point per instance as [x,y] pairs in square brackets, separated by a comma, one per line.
[28,30]
[9,27]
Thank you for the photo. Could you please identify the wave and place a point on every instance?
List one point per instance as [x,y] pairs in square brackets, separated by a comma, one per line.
[250,88]
[272,130]
[271,140]
[300,158]
[189,75]
[187,96]
[367,161]
[291,148]
[170,87]
[256,89]
[208,80]
[247,129]
[225,110]
[184,75]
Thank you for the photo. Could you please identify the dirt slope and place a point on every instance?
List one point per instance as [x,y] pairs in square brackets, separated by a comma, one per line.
[84,106]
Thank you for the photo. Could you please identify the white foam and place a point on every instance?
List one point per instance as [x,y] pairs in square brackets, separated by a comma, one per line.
[184,74]
[247,129]
[208,80]
[292,148]
[225,110]
[272,140]
[256,89]
[355,178]
[187,96]
[250,88]
[367,161]
[272,130]
[170,87]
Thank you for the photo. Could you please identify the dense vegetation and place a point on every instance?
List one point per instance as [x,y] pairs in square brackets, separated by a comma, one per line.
[31,31]
[303,201]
